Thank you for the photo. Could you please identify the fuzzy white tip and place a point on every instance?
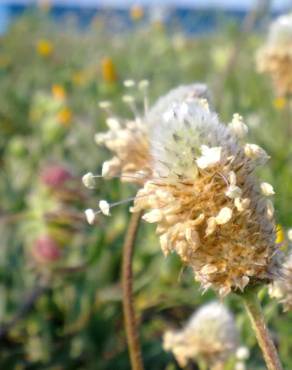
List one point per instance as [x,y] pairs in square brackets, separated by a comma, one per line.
[210,157]
[224,216]
[88,180]
[104,206]
[90,216]
[267,189]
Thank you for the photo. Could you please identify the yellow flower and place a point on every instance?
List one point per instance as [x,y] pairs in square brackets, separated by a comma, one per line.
[45,47]
[136,12]
[108,70]
[78,78]
[58,92]
[280,103]
[65,116]
[281,240]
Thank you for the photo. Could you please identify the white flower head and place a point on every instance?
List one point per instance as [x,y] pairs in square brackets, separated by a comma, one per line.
[206,200]
[280,33]
[210,334]
[267,189]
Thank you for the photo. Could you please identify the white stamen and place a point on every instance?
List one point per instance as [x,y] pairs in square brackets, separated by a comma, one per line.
[242,353]
[113,123]
[254,151]
[90,216]
[233,192]
[289,234]
[210,156]
[105,104]
[270,209]
[153,216]
[143,84]
[267,189]
[129,99]
[238,127]
[224,216]
[104,207]
[129,83]
[88,180]
[110,167]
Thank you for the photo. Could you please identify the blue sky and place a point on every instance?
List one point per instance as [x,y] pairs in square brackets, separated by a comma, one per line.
[234,4]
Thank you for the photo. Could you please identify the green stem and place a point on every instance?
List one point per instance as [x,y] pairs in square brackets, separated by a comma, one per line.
[127,285]
[263,336]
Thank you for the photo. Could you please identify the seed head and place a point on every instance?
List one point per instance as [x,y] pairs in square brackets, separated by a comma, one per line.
[209,334]
[205,199]
[275,57]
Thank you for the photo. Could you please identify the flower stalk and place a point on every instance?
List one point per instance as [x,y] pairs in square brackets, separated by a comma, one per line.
[263,335]
[130,322]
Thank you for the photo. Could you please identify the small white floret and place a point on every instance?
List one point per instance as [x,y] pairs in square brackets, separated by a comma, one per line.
[209,157]
[270,209]
[267,189]
[224,216]
[242,353]
[129,83]
[254,151]
[153,216]
[233,192]
[238,127]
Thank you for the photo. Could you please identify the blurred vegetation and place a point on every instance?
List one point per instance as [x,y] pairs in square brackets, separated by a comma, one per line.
[52,77]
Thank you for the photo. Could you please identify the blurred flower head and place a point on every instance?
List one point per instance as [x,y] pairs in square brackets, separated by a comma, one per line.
[210,334]
[128,139]
[275,57]
[208,205]
[108,70]
[55,175]
[136,12]
[64,116]
[46,250]
[45,47]
[58,92]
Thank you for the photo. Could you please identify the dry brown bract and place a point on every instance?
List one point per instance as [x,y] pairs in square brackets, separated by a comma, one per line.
[204,198]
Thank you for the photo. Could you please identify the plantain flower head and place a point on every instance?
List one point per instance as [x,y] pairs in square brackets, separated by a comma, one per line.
[128,139]
[275,57]
[210,334]
[281,289]
[205,199]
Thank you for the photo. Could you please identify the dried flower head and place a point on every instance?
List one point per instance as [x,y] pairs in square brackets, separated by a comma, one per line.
[281,289]
[275,57]
[210,334]
[128,139]
[205,199]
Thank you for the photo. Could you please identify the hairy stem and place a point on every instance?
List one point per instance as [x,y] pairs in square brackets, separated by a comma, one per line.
[263,336]
[127,285]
